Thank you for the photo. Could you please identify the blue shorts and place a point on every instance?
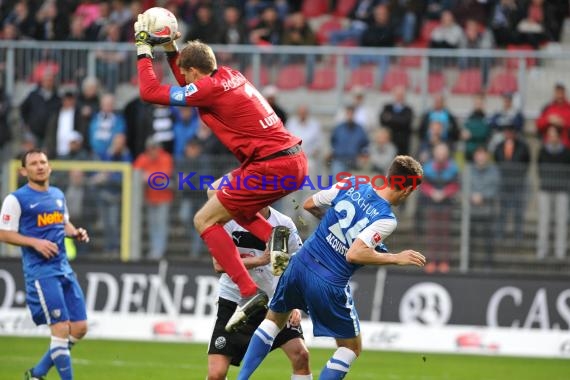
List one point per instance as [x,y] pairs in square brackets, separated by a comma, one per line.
[330,307]
[55,299]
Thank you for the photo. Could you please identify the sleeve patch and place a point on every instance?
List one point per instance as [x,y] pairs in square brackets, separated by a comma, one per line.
[191,89]
[376,238]
[6,218]
[177,97]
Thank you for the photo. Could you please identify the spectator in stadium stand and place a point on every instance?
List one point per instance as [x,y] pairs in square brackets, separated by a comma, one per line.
[439,112]
[52,22]
[108,62]
[98,15]
[349,145]
[363,114]
[186,125]
[269,29]
[485,184]
[60,125]
[554,173]
[220,159]
[556,113]
[379,33]
[107,188]
[270,94]
[138,126]
[434,137]
[409,15]
[476,36]
[360,17]
[104,126]
[298,32]
[476,10]
[512,156]
[508,115]
[23,18]
[35,217]
[192,160]
[205,28]
[317,278]
[76,151]
[244,121]
[254,8]
[87,106]
[157,202]
[447,35]
[476,130]
[398,118]
[234,31]
[440,184]
[504,18]
[382,151]
[127,31]
[539,23]
[10,32]
[40,105]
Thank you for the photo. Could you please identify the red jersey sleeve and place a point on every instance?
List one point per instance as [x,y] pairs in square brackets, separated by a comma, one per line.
[172,62]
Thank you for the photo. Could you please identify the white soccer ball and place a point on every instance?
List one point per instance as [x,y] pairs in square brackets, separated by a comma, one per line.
[163,22]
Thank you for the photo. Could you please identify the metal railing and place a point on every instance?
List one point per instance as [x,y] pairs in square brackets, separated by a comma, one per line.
[428,70]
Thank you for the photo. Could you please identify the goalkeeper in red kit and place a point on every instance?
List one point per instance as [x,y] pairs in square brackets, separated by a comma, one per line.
[247,125]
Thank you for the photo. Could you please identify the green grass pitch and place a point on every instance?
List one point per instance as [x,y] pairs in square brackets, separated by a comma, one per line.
[113,360]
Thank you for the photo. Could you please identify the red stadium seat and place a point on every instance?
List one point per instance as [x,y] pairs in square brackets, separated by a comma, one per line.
[413,61]
[325,29]
[324,79]
[436,83]
[263,75]
[468,82]
[314,8]
[513,63]
[291,77]
[427,29]
[343,7]
[363,76]
[504,81]
[395,77]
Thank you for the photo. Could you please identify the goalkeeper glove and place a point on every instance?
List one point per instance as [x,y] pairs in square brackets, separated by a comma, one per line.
[146,41]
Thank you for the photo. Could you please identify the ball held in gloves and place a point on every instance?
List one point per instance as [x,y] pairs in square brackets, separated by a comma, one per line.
[162,26]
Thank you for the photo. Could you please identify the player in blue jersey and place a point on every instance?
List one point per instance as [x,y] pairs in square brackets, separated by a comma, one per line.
[356,220]
[35,217]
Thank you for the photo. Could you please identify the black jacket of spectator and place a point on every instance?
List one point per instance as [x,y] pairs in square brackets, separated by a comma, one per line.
[399,124]
[36,110]
[554,169]
[5,130]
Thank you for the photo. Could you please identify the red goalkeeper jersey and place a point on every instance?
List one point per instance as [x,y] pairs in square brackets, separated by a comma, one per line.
[228,104]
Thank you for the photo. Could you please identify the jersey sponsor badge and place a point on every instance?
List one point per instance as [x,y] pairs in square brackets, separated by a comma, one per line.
[376,238]
[191,89]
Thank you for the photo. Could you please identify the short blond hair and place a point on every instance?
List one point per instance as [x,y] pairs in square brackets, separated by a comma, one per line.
[198,55]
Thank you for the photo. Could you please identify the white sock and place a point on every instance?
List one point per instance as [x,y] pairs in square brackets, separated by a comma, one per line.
[302,377]
[269,327]
[344,355]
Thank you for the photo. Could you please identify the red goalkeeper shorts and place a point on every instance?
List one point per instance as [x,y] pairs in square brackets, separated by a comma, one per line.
[260,183]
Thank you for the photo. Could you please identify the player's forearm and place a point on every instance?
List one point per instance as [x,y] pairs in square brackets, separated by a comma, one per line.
[70,230]
[368,256]
[16,238]
[149,86]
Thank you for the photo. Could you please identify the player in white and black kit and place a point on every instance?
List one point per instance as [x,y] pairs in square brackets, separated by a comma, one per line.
[228,348]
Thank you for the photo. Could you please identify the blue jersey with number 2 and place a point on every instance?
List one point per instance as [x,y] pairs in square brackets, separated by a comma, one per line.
[356,211]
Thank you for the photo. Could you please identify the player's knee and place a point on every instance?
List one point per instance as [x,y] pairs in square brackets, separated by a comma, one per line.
[60,330]
[301,360]
[217,373]
[78,329]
